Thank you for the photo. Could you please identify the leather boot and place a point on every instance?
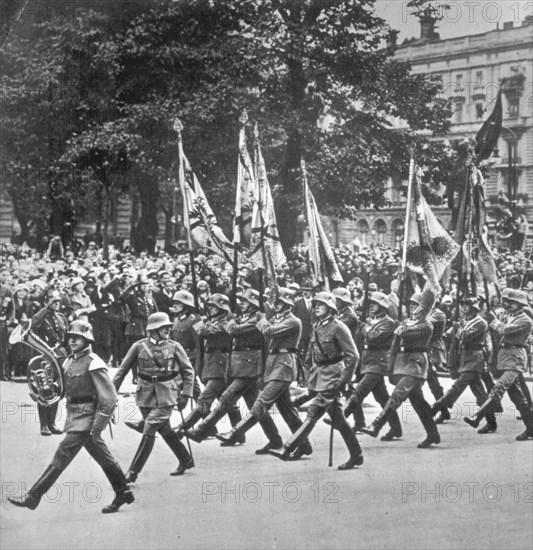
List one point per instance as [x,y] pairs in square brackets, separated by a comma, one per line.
[32,498]
[301,399]
[43,420]
[475,420]
[395,428]
[356,454]
[51,414]
[123,493]
[137,425]
[378,423]
[180,451]
[141,456]
[443,416]
[242,427]
[206,428]
[275,443]
[491,426]
[433,436]
[297,438]
[235,417]
[189,421]
[527,418]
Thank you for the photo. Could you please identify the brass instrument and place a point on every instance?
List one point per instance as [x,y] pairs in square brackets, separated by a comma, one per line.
[44,373]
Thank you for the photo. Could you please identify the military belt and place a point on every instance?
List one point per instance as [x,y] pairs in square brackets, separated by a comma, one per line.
[82,399]
[375,348]
[283,350]
[246,348]
[509,345]
[413,350]
[326,362]
[212,350]
[158,378]
[472,347]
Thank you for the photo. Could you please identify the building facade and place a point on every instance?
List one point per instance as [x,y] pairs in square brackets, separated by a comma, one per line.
[472,69]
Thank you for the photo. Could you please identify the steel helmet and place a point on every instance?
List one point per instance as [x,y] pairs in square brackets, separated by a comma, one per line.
[326,298]
[343,294]
[250,295]
[81,328]
[471,301]
[219,300]
[183,297]
[54,296]
[286,296]
[518,296]
[380,299]
[158,320]
[416,298]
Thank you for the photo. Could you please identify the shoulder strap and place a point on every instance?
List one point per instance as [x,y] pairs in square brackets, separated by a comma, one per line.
[150,354]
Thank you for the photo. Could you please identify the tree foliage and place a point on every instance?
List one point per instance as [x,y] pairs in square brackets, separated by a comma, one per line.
[89,100]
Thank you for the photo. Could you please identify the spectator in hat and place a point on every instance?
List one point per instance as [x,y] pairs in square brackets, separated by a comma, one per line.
[80,303]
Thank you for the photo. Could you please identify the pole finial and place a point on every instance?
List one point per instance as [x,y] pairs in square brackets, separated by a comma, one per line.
[178,126]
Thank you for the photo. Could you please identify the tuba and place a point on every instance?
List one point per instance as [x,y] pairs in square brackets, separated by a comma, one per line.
[44,373]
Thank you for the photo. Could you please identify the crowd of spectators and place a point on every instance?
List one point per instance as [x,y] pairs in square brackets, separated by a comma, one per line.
[100,289]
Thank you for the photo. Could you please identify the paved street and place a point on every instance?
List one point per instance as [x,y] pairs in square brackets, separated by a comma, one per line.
[469,492]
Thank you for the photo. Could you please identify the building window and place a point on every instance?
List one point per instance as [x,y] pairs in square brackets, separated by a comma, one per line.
[362,230]
[480,111]
[479,78]
[380,229]
[458,112]
[397,233]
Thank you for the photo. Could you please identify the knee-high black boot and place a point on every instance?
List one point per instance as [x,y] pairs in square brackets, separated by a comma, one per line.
[207,427]
[423,410]
[43,419]
[178,448]
[141,456]
[242,427]
[486,408]
[527,418]
[123,493]
[298,438]
[380,420]
[51,416]
[350,440]
[235,417]
[32,498]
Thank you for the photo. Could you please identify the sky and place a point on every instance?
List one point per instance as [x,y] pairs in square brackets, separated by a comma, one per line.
[463,18]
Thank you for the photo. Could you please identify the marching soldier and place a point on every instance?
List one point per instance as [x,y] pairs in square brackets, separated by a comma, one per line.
[284,329]
[378,336]
[51,327]
[409,364]
[159,360]
[437,357]
[331,358]
[217,345]
[470,334]
[91,399]
[511,361]
[244,366]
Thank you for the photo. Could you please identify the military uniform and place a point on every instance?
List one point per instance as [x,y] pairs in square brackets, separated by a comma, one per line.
[378,335]
[331,359]
[437,351]
[91,399]
[408,368]
[470,344]
[158,363]
[284,331]
[244,366]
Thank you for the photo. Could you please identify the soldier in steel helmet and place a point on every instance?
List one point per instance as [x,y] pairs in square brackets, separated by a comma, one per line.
[217,346]
[331,360]
[159,360]
[244,366]
[378,334]
[91,399]
[511,361]
[284,330]
[470,334]
[51,327]
[408,368]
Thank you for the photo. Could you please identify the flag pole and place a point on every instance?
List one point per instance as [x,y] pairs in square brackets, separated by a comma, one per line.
[403,266]
[178,127]
[260,204]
